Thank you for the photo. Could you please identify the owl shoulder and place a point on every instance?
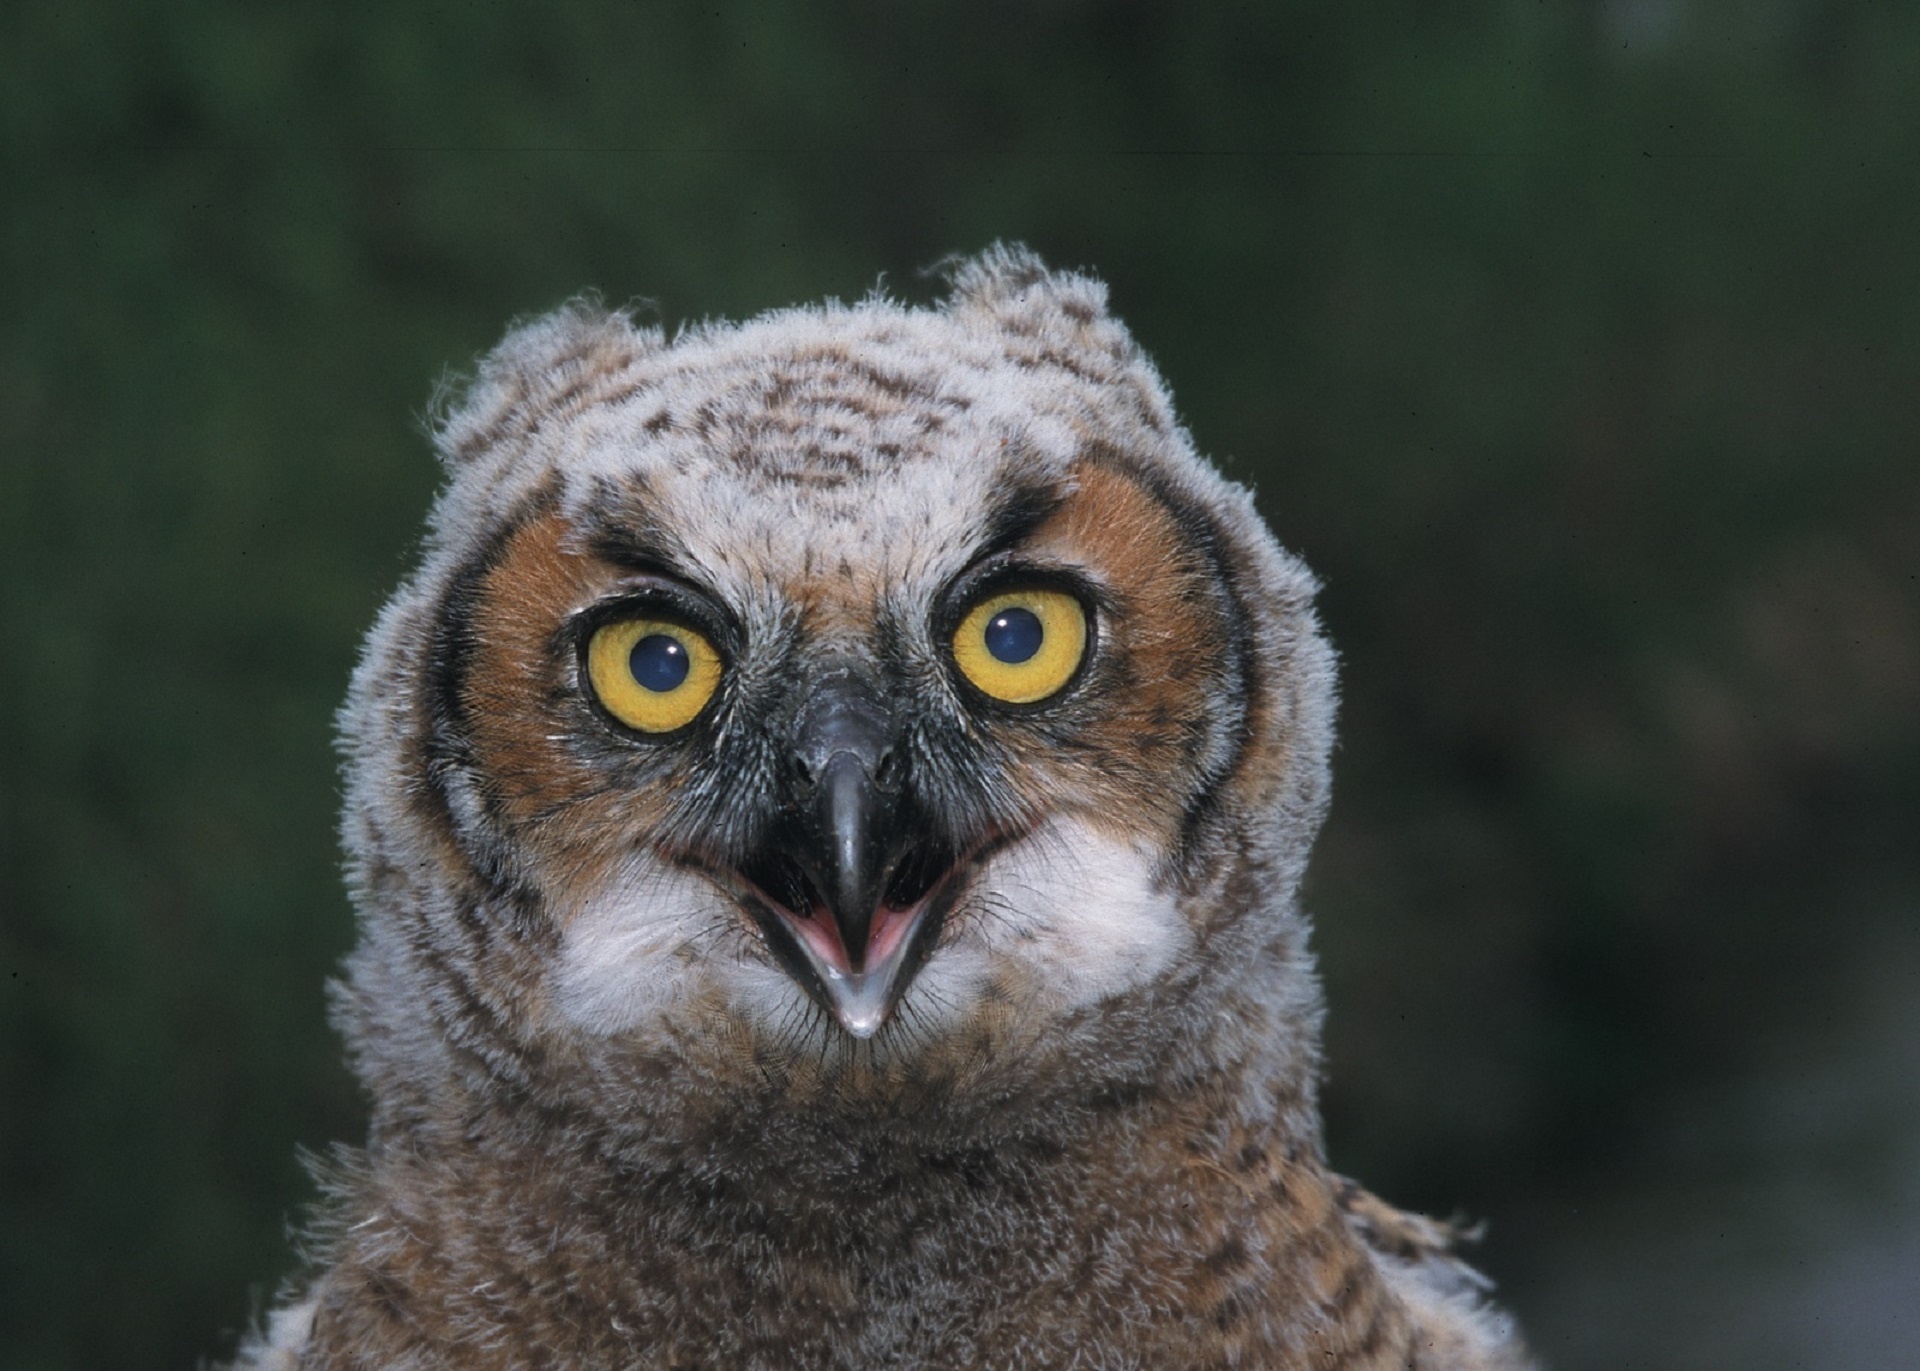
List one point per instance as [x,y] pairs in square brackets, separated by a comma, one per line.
[1455,1326]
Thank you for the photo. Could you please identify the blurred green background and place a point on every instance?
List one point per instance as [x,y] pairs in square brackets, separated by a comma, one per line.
[1574,344]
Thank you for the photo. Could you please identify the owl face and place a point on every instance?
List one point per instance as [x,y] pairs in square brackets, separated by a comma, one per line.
[922,737]
[862,677]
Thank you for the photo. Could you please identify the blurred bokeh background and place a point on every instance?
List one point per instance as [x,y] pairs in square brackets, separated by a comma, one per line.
[1575,344]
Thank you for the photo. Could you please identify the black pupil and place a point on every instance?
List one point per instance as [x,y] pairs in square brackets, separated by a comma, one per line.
[1013,635]
[659,662]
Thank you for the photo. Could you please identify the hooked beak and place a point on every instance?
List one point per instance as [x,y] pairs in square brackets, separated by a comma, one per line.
[851,887]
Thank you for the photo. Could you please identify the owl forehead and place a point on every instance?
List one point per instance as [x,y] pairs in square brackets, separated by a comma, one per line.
[899,532]
[824,477]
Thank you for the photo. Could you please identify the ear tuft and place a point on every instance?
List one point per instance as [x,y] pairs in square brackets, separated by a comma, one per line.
[1011,285]
[549,364]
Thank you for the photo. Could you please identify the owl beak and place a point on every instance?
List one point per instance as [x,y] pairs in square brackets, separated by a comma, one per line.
[854,925]
[848,855]
[860,953]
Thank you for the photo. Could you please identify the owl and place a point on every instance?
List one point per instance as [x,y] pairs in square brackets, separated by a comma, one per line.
[826,818]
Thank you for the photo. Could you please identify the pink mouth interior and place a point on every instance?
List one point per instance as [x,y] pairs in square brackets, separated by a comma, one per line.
[885,938]
[782,887]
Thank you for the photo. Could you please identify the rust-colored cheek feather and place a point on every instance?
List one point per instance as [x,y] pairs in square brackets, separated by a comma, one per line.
[826,817]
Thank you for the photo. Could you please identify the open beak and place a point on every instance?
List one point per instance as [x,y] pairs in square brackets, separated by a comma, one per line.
[850,887]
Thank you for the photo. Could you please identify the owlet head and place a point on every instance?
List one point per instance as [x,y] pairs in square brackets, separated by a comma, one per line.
[860,689]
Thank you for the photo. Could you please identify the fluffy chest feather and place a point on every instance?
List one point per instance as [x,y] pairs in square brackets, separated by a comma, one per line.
[1129,1247]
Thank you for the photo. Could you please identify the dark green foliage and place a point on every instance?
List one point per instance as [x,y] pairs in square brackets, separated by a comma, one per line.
[1574,346]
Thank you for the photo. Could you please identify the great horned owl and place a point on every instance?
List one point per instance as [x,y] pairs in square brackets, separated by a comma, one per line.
[826,817]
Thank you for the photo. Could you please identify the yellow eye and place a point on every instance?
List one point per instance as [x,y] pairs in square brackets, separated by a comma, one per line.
[652,675]
[1023,645]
